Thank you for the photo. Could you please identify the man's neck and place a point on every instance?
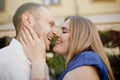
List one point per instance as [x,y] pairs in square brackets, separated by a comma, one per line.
[18,36]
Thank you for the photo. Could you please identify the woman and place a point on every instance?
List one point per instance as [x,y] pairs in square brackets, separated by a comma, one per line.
[81,47]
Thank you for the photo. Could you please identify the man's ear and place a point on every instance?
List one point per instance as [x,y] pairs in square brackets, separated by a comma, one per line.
[27,19]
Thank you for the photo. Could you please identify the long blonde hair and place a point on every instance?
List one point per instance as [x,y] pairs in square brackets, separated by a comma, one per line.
[84,36]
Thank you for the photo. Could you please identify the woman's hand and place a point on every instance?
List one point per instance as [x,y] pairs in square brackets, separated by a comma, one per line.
[34,45]
[34,48]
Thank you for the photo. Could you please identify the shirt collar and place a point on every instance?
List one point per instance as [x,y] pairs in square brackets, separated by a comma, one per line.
[18,49]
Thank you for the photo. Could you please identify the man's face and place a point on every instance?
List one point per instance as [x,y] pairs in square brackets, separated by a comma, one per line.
[45,24]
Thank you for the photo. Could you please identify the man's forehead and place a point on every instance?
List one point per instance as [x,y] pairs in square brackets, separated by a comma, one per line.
[47,13]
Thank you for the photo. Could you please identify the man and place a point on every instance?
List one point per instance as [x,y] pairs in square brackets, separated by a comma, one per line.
[14,65]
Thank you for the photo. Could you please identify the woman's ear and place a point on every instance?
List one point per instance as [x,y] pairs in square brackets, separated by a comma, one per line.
[27,20]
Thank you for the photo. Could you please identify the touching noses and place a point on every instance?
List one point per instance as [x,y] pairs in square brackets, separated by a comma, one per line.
[55,33]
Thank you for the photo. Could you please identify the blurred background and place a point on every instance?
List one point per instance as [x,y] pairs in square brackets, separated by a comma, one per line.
[105,14]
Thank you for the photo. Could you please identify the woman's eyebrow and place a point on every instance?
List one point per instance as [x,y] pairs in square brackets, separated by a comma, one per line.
[65,28]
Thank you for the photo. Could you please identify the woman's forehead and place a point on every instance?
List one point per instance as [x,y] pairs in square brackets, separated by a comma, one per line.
[67,23]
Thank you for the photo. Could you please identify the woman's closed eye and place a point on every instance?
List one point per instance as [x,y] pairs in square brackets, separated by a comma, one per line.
[65,30]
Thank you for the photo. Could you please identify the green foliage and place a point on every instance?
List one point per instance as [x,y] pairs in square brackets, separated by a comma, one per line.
[53,43]
[110,39]
[57,64]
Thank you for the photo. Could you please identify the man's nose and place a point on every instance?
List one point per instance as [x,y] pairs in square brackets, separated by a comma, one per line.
[55,33]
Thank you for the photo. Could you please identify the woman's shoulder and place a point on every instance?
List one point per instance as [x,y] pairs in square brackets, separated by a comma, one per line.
[88,54]
[86,58]
[81,74]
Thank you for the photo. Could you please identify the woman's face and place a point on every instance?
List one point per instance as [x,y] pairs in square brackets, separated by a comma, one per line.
[63,41]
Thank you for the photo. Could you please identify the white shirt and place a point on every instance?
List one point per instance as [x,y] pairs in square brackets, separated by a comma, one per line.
[14,65]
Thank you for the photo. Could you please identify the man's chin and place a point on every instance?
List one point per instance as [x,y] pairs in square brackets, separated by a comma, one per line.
[48,49]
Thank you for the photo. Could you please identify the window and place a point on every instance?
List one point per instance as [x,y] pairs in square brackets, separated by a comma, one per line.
[2,5]
[51,2]
[102,0]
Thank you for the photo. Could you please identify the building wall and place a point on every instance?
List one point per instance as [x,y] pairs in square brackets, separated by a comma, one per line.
[93,9]
[85,7]
[10,8]
[66,8]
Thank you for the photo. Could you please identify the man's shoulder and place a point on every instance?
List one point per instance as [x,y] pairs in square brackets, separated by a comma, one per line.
[4,50]
[5,53]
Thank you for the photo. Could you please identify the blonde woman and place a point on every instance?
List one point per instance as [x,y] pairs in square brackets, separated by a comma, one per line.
[82,50]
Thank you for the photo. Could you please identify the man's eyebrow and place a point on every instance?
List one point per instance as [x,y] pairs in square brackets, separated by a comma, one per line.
[52,22]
